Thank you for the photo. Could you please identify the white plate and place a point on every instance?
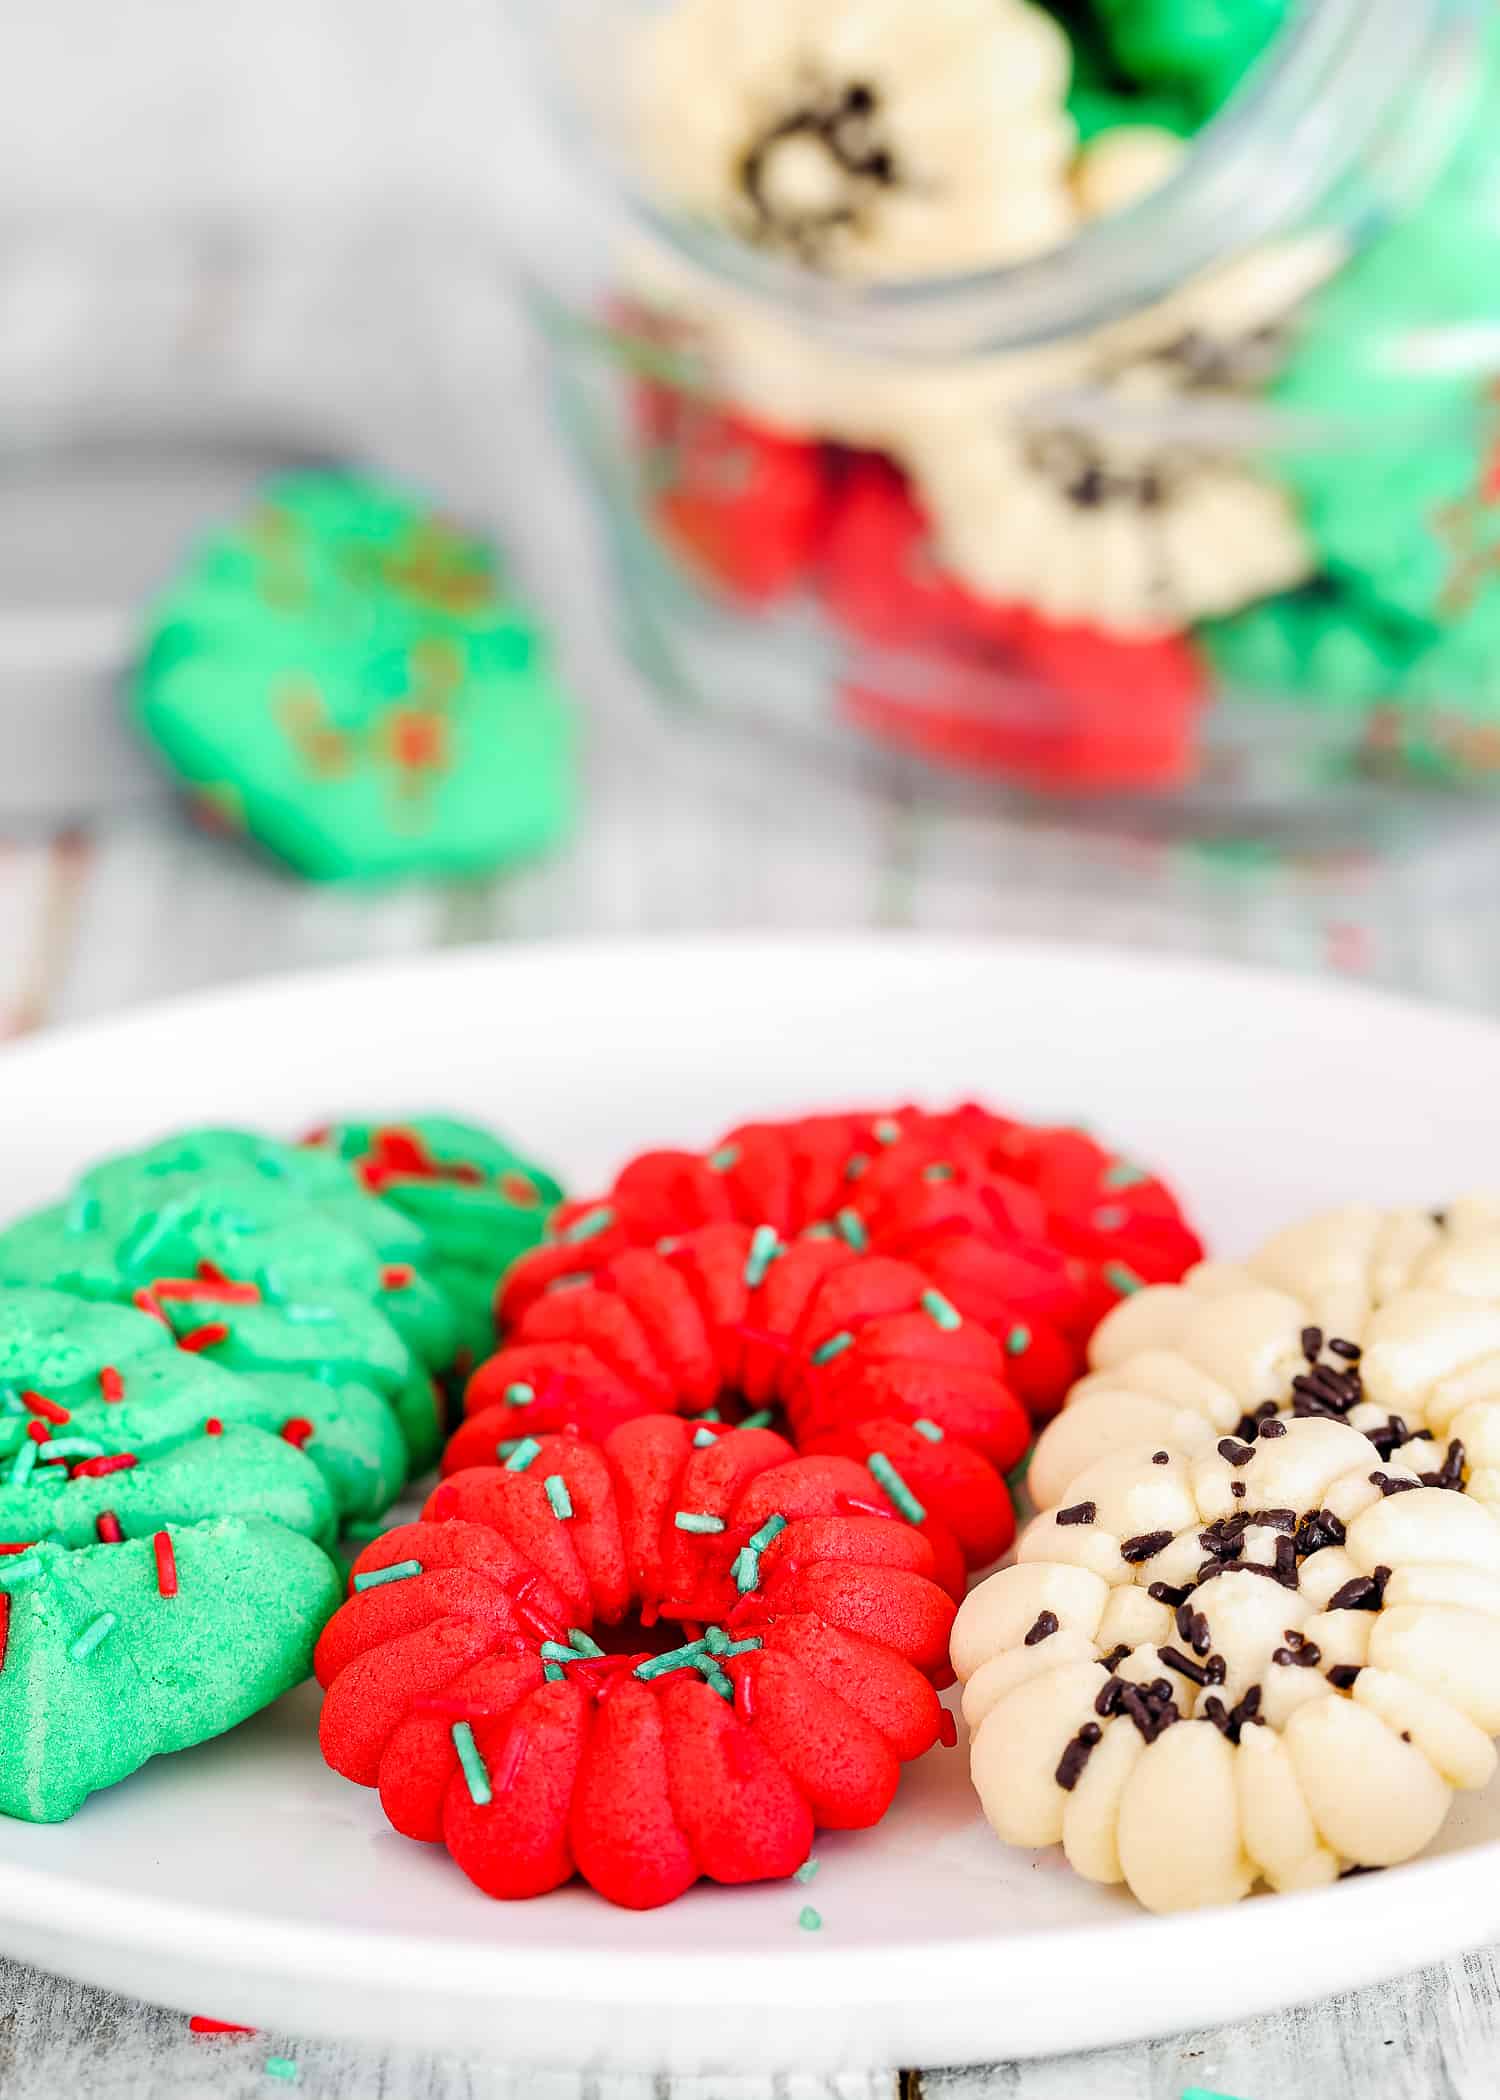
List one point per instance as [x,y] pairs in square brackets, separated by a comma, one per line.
[244,1881]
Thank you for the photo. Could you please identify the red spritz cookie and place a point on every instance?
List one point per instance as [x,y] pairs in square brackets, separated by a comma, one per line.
[484,1677]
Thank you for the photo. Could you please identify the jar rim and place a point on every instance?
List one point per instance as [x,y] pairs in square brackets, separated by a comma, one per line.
[1312,113]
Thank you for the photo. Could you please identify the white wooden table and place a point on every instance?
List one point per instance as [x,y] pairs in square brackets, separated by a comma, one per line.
[137,906]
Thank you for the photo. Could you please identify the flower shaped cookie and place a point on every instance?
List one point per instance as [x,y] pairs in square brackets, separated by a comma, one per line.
[1270,1663]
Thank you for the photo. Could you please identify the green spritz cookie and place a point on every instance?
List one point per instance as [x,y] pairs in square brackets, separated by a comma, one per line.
[1324,643]
[480,1202]
[1201,49]
[118,1653]
[114,1379]
[63,1493]
[342,675]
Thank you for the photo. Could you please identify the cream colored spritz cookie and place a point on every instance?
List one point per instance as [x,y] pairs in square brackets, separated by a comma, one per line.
[1269,1663]
[871,139]
[1388,1320]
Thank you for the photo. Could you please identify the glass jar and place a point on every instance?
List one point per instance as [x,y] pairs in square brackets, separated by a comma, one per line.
[1196,514]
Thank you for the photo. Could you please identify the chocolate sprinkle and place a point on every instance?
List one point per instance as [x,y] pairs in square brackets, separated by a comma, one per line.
[1285,1570]
[1077,1755]
[1273,1429]
[1249,1425]
[1389,1440]
[1351,1873]
[1193,1627]
[1273,1519]
[1045,1625]
[1299,1653]
[1342,1676]
[1387,1486]
[1350,1351]
[1451,1472]
[1312,1343]
[1231,1722]
[1116,1656]
[1224,1539]
[1361,1593]
[1213,1671]
[1238,1489]
[1144,1546]
[1235,1454]
[1161,1458]
[1169,1592]
[1151,1707]
[1080,1513]
[1319,1528]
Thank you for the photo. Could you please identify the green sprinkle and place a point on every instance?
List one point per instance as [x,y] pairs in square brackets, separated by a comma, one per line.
[761,1419]
[68,1447]
[834,1346]
[714,1678]
[13,1572]
[97,1630]
[674,1659]
[696,1520]
[588,1227]
[1110,1218]
[704,1439]
[896,1487]
[524,1453]
[716,1640]
[746,1570]
[765,1246]
[772,1528]
[554,1651]
[283,2067]
[709,1414]
[809,1919]
[886,1131]
[941,1312]
[726,1157]
[1121,1279]
[1124,1175]
[25,1464]
[851,1229]
[476,1776]
[398,1571]
[743,1647]
[1018,1341]
[856,1164]
[930,1430]
[820,1231]
[553,1672]
[807,1871]
[83,1213]
[669,1245]
[938,1171]
[519,1395]
[581,1643]
[10,1401]
[560,1501]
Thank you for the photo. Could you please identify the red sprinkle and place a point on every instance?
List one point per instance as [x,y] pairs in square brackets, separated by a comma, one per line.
[18,1546]
[39,1404]
[947,1730]
[4,1625]
[398,1277]
[213,1426]
[111,1384]
[744,1695]
[93,1468]
[198,2025]
[297,1430]
[510,1763]
[166,1563]
[216,1287]
[206,1337]
[39,1432]
[107,1525]
[853,1506]
[144,1302]
[212,1273]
